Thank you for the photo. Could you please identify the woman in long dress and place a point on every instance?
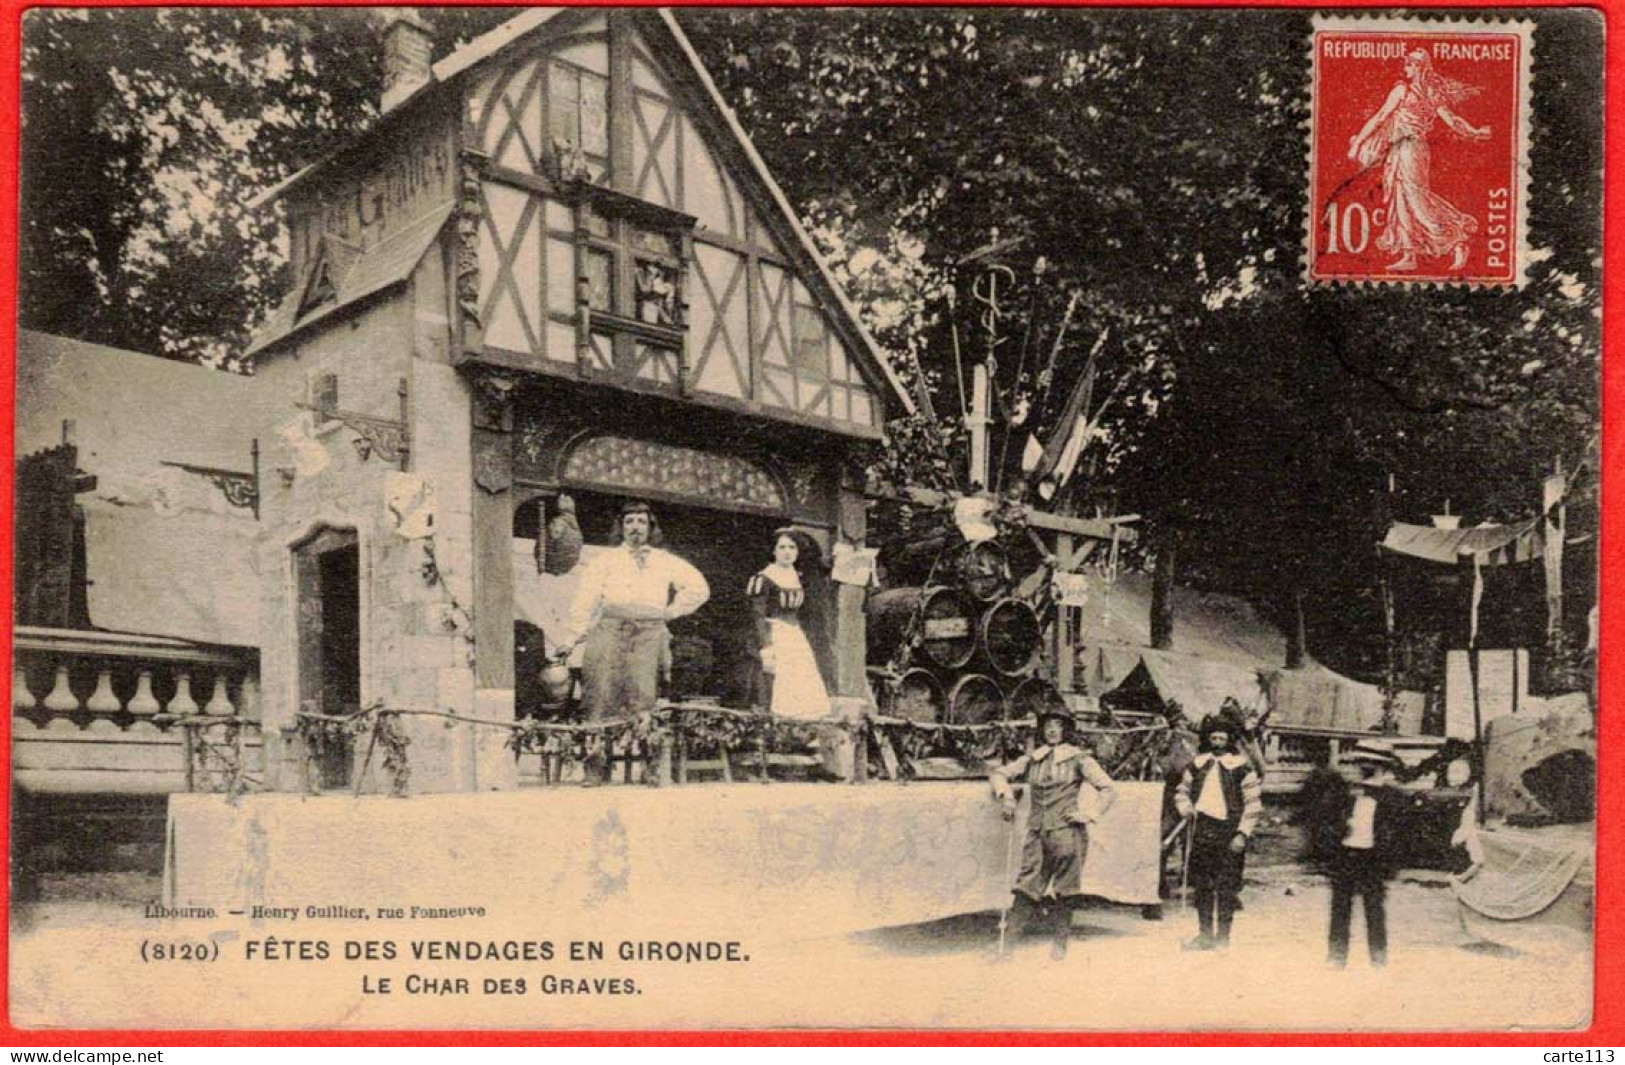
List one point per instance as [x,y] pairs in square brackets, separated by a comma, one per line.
[1418,221]
[787,598]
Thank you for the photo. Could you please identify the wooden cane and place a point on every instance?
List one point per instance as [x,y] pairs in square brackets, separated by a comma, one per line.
[1185,873]
[1009,878]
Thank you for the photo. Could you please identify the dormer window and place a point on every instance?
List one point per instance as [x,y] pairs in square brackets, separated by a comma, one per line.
[333,257]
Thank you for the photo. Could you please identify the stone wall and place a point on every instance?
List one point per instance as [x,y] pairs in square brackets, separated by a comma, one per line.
[412,527]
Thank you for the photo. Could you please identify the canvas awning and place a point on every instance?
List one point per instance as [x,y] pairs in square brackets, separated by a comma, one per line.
[185,573]
[1201,685]
[1317,698]
[1493,544]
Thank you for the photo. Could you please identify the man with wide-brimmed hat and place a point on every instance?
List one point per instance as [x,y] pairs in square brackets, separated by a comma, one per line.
[1356,822]
[621,607]
[1222,796]
[1070,791]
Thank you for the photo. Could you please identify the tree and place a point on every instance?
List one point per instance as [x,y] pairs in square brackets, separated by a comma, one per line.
[146,135]
[1156,161]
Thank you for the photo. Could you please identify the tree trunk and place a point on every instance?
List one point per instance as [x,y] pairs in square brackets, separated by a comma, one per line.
[1162,597]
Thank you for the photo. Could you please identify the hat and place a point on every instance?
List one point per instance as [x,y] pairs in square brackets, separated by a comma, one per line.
[1373,752]
[1219,722]
[1057,711]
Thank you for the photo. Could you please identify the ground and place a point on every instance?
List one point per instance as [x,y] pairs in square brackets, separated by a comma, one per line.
[1123,972]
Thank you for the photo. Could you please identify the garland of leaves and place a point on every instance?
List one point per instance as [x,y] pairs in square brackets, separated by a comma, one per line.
[458,619]
[1134,752]
[973,744]
[227,755]
[324,734]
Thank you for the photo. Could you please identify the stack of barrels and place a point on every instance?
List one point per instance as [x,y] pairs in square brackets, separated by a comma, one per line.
[958,648]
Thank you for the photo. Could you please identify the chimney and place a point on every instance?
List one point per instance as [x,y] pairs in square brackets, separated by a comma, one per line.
[407,50]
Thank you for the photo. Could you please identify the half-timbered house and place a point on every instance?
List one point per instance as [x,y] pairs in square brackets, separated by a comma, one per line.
[555,267]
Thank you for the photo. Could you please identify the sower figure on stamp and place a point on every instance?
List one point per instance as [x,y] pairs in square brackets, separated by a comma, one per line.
[1221,794]
[1418,221]
[1070,791]
[620,610]
[1355,830]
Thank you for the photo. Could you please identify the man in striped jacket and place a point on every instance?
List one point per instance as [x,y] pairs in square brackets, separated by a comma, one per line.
[1222,794]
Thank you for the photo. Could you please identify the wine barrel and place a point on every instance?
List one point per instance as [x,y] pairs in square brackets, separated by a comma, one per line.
[975,699]
[943,618]
[982,570]
[1010,637]
[916,695]
[1031,696]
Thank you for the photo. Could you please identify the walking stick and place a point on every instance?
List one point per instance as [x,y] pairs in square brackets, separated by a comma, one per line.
[1009,879]
[1185,871]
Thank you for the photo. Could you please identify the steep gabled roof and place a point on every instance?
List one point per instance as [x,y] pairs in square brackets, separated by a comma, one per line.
[784,212]
[780,214]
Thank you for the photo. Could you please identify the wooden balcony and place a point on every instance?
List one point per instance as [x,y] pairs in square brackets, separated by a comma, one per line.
[110,713]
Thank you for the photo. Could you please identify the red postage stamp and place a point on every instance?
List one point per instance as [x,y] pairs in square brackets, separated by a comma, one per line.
[1418,153]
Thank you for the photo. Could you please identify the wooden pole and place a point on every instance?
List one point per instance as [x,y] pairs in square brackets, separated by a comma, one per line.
[977,422]
[1064,650]
[1555,522]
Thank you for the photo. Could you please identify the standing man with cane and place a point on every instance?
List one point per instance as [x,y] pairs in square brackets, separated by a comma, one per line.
[1222,796]
[1057,826]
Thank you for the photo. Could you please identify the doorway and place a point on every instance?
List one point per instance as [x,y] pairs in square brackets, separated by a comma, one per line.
[327,571]
[713,650]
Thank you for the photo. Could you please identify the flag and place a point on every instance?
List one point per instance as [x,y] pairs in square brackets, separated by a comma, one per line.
[1081,434]
[1032,454]
[1072,422]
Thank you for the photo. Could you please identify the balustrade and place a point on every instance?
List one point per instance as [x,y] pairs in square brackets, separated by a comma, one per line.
[115,712]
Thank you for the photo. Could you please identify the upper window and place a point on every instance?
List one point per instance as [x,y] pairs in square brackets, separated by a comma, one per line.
[578,119]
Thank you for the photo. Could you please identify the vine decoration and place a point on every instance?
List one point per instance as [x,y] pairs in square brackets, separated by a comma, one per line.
[1126,753]
[326,733]
[218,765]
[457,618]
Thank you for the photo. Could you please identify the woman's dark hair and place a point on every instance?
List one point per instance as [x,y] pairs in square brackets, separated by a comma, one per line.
[815,583]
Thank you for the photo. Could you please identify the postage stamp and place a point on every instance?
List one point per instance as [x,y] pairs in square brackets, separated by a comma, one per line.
[1419,151]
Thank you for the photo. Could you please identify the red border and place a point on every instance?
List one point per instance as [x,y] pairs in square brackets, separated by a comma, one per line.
[1608,1025]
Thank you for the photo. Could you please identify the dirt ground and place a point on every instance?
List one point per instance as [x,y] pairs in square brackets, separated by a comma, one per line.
[1123,972]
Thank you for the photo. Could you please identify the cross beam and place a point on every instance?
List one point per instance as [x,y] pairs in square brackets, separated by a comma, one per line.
[1094,528]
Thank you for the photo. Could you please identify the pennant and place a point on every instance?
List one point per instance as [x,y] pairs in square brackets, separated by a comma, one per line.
[1478,597]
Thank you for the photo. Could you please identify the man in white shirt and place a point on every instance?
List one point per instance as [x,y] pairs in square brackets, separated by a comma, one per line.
[621,607]
[1366,821]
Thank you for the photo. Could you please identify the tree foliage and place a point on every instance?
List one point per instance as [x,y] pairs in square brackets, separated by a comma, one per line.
[1156,161]
[147,133]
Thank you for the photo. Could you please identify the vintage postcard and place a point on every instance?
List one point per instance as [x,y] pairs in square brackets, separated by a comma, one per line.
[958,518]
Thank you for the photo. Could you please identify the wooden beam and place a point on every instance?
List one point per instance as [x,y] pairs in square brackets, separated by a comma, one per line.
[1094,528]
[851,640]
[1064,650]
